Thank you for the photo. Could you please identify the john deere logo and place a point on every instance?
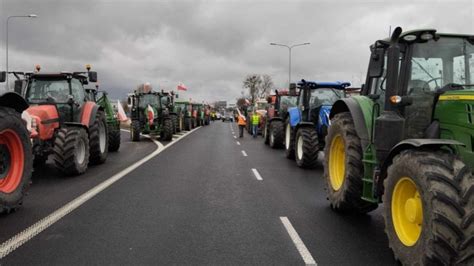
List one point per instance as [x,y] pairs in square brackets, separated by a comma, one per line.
[455,97]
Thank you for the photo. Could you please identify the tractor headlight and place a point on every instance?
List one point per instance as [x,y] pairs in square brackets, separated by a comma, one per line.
[426,36]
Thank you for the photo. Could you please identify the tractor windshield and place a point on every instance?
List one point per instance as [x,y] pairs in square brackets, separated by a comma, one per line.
[437,63]
[262,105]
[149,99]
[43,90]
[287,101]
[324,97]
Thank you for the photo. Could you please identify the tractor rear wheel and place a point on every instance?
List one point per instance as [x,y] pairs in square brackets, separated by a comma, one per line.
[114,140]
[187,124]
[71,150]
[135,130]
[16,160]
[276,138]
[289,141]
[343,168]
[98,139]
[174,119]
[167,130]
[428,212]
[306,150]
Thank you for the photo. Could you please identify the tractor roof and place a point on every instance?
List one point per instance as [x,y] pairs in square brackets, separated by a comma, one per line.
[60,75]
[321,84]
[418,32]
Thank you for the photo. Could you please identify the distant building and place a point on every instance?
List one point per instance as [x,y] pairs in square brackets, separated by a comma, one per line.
[220,105]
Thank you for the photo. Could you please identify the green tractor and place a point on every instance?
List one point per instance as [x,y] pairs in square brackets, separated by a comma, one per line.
[198,114]
[148,115]
[168,102]
[184,111]
[113,122]
[407,141]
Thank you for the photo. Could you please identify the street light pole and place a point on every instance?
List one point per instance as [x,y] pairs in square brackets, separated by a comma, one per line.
[290,47]
[6,39]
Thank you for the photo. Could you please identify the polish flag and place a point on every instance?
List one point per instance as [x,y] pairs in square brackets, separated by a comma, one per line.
[151,114]
[121,113]
[182,87]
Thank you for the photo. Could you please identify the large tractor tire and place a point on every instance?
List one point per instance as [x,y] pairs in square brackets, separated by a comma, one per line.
[307,147]
[429,209]
[180,124]
[71,150]
[98,140]
[343,168]
[16,160]
[135,130]
[277,135]
[167,131]
[266,134]
[174,119]
[114,140]
[187,124]
[289,141]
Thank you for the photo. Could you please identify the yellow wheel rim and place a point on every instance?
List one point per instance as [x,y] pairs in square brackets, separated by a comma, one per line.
[407,211]
[337,162]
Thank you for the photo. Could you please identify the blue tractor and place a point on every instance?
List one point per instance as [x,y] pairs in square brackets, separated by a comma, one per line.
[307,123]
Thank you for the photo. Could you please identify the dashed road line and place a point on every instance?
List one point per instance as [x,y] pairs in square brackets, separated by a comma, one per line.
[257,174]
[244,154]
[235,137]
[304,252]
[238,143]
[18,240]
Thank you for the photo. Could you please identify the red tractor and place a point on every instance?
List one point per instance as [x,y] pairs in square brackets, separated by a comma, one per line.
[277,113]
[15,151]
[69,126]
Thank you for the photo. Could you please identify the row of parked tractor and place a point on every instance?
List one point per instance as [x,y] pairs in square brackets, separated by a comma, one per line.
[66,117]
[406,140]
[163,114]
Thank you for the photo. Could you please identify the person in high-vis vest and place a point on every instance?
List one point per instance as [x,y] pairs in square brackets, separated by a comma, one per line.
[255,122]
[241,122]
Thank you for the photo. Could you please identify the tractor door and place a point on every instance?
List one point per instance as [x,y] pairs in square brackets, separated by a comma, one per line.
[79,98]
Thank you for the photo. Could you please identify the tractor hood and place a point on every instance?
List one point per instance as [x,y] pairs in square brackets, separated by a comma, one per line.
[47,119]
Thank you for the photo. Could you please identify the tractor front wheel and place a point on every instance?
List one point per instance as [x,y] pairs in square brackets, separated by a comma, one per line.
[71,150]
[98,139]
[343,168]
[265,134]
[167,130]
[15,160]
[277,134]
[135,130]
[174,119]
[187,124]
[428,209]
[114,140]
[306,150]
[289,141]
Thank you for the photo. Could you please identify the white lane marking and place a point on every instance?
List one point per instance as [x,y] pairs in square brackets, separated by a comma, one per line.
[16,241]
[257,174]
[235,137]
[304,252]
[238,143]
[244,153]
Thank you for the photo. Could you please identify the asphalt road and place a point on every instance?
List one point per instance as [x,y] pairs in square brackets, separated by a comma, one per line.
[197,202]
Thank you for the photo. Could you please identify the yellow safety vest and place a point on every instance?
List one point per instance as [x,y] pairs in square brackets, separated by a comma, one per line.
[255,119]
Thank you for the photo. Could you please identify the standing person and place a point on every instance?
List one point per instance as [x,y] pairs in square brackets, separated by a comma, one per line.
[241,122]
[255,122]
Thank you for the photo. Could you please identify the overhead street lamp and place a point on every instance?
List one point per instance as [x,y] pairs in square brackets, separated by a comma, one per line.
[6,40]
[289,54]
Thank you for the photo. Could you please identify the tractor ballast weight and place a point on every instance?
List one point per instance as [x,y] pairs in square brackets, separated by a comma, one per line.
[407,141]
[148,116]
[15,150]
[307,123]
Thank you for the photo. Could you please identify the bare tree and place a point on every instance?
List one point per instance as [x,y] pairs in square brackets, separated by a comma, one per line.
[265,86]
[259,86]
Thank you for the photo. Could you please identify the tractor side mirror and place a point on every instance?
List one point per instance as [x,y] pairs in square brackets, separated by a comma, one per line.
[92,76]
[3,76]
[18,86]
[129,102]
[376,64]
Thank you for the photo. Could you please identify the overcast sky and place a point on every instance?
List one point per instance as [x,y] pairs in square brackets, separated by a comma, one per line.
[211,46]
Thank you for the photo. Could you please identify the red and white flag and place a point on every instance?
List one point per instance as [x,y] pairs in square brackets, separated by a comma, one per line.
[182,87]
[151,114]
[121,113]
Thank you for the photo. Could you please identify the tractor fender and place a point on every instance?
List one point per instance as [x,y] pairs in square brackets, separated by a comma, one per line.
[295,116]
[89,111]
[75,124]
[352,106]
[47,119]
[14,101]
[413,144]
[304,124]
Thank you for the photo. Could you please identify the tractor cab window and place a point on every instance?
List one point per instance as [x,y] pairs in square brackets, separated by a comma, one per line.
[41,90]
[164,100]
[78,92]
[287,102]
[321,97]
[378,84]
[148,99]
